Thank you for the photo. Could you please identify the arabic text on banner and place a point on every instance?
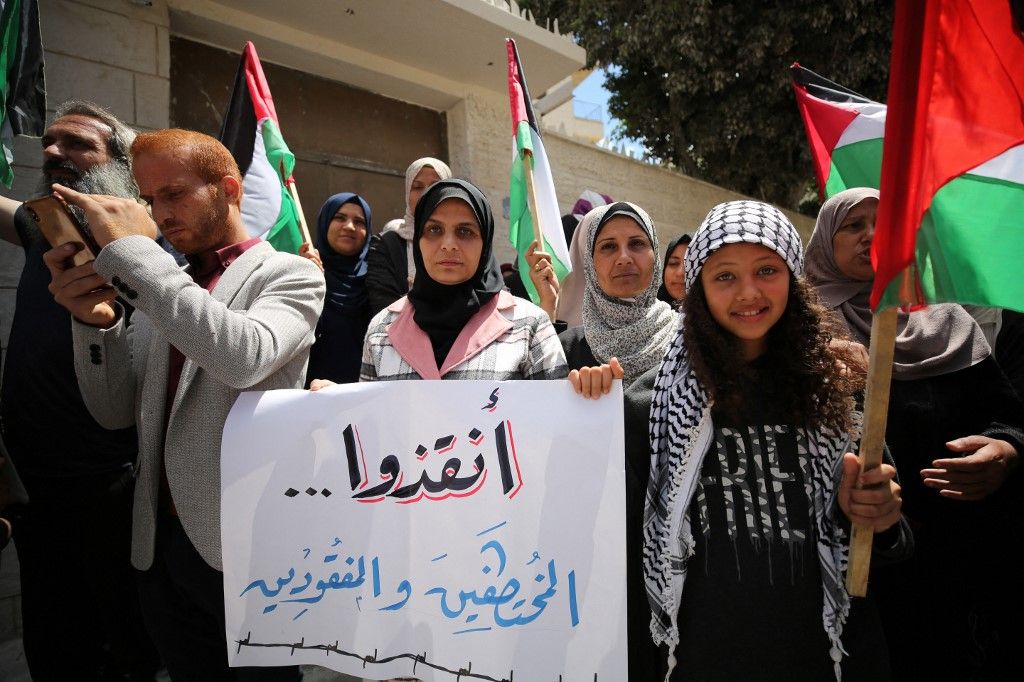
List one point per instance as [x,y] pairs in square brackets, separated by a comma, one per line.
[446,530]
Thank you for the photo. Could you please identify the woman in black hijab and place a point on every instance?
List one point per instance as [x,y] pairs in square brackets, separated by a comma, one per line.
[343,236]
[458,322]
[673,274]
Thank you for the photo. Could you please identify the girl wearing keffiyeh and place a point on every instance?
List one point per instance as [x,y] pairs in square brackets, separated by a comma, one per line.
[752,425]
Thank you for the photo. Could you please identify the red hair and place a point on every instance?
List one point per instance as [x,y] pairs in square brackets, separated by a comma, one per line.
[199,153]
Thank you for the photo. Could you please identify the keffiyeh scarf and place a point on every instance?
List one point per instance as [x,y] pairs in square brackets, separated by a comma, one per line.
[681,432]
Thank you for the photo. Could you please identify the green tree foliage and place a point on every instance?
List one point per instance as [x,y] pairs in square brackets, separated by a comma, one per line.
[705,84]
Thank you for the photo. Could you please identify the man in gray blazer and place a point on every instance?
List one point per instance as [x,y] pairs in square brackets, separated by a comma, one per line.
[241,317]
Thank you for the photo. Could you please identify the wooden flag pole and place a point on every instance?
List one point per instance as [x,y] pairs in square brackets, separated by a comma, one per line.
[876,411]
[531,194]
[303,227]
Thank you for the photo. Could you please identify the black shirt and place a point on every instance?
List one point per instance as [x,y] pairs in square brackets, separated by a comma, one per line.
[577,349]
[753,587]
[46,426]
[752,602]
[926,413]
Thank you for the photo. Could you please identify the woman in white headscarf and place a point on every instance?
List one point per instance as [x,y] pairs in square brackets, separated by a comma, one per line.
[390,264]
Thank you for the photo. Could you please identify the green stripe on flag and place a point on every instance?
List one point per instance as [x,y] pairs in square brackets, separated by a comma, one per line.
[965,251]
[855,165]
[285,235]
[521,221]
[10,27]
[520,230]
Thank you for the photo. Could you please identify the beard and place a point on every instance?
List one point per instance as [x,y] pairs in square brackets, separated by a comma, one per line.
[208,225]
[113,178]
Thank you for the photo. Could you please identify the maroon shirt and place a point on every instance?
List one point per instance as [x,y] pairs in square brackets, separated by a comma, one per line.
[206,270]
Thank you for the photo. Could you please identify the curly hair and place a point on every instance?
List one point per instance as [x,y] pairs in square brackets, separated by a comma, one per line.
[813,382]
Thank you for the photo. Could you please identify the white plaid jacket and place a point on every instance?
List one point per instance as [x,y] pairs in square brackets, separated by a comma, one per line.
[508,338]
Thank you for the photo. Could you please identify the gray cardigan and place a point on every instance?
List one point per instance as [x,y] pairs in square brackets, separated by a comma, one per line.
[252,333]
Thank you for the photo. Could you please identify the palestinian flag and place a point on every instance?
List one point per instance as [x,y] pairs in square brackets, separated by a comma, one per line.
[951,214]
[252,134]
[844,130]
[528,148]
[22,87]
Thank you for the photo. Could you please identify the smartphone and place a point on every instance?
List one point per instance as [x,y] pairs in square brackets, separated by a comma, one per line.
[59,225]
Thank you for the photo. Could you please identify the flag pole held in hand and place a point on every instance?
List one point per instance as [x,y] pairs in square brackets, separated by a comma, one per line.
[876,412]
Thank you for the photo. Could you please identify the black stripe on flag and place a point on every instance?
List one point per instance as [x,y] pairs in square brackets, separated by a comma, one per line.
[823,88]
[526,91]
[238,133]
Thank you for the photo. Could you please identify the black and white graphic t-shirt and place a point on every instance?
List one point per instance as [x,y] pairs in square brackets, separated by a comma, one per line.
[752,603]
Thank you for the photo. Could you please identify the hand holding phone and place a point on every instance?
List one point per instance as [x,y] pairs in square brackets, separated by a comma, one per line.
[110,218]
[59,225]
[79,288]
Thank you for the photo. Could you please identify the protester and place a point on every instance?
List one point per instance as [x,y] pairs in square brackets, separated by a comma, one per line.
[241,318]
[673,276]
[622,317]
[751,399]
[79,475]
[391,265]
[343,232]
[954,429]
[458,322]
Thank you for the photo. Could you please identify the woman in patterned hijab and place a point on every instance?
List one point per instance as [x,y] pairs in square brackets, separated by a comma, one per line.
[622,316]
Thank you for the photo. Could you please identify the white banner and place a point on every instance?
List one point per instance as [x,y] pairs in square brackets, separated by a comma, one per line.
[444,530]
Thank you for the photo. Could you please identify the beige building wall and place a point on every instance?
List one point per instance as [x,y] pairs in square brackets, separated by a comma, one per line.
[480,143]
[563,120]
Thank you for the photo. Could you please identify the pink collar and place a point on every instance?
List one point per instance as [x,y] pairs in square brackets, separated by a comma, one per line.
[413,344]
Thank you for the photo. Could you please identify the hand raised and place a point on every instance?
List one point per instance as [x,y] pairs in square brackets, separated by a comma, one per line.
[307,250]
[542,274]
[110,218]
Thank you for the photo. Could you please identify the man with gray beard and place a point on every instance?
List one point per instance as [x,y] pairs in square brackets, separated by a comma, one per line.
[80,609]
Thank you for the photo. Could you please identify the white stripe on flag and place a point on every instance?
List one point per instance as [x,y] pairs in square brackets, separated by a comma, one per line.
[1008,166]
[869,124]
[261,191]
[547,203]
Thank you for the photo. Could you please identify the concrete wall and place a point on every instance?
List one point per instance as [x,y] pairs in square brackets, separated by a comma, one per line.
[344,139]
[563,120]
[479,138]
